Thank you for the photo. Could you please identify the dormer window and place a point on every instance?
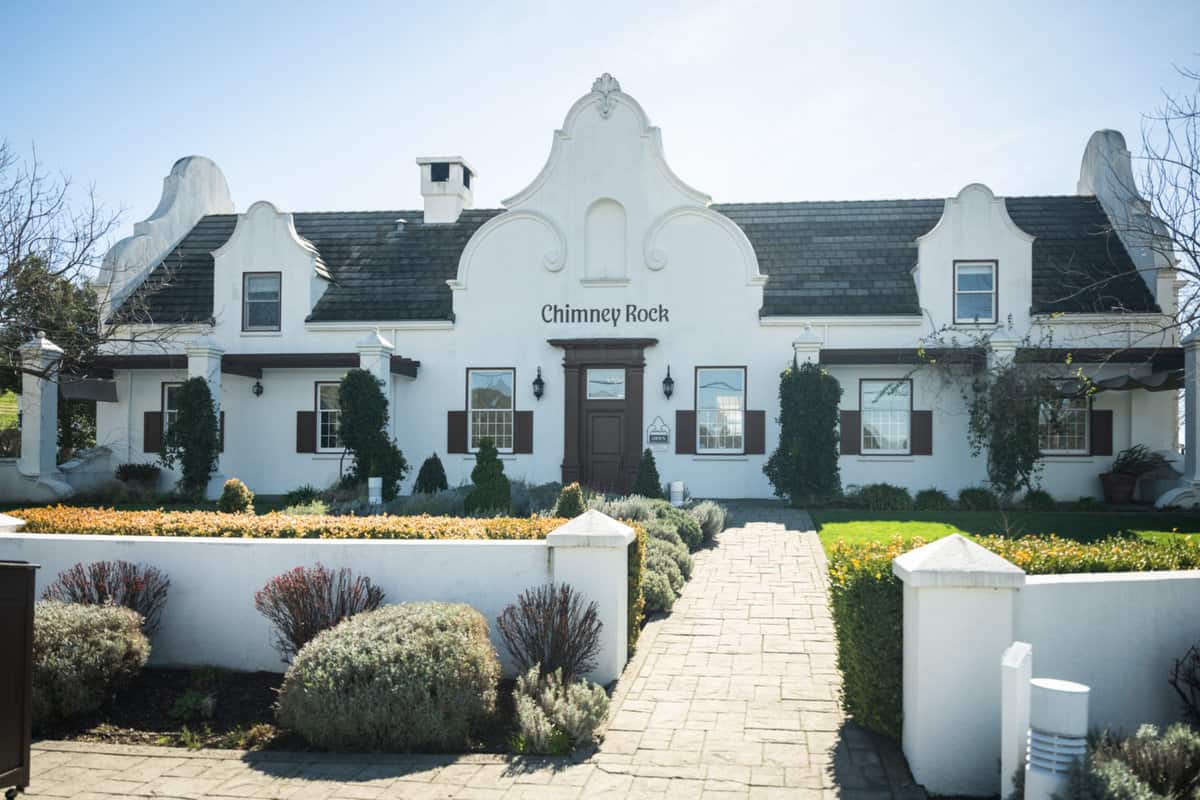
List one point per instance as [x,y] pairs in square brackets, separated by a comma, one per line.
[974,292]
[261,301]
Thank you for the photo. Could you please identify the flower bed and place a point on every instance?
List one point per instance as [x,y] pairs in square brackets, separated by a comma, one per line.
[107,521]
[867,603]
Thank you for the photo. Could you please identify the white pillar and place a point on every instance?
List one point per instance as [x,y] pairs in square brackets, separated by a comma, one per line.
[1191,374]
[1002,350]
[204,361]
[591,553]
[958,620]
[1016,668]
[375,356]
[807,346]
[39,407]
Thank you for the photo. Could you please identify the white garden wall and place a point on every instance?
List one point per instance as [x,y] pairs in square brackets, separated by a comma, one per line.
[1118,633]
[210,616]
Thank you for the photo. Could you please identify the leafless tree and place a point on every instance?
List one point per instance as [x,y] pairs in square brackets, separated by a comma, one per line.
[53,237]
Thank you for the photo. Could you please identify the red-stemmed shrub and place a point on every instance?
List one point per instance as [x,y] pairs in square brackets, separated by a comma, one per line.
[304,601]
[552,626]
[119,583]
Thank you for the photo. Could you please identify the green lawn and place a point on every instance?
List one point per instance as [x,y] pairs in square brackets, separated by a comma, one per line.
[1084,526]
[8,410]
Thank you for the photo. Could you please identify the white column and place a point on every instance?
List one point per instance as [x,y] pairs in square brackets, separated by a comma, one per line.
[1002,350]
[39,407]
[1016,669]
[375,356]
[1191,374]
[807,346]
[958,620]
[204,361]
[591,553]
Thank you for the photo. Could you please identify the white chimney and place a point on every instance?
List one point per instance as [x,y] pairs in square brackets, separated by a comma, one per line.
[446,187]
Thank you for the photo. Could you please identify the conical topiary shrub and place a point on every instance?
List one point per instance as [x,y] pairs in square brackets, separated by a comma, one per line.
[432,477]
[646,482]
[491,492]
[570,501]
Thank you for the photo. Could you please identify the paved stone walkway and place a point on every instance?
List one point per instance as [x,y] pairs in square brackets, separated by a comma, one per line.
[733,695]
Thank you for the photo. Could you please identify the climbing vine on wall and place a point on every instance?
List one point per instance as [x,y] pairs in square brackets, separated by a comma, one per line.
[804,468]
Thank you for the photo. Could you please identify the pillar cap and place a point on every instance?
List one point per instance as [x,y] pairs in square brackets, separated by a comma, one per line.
[374,341]
[591,529]
[203,346]
[40,345]
[956,561]
[808,339]
[1192,339]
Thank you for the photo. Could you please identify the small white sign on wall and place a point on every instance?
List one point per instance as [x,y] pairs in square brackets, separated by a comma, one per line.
[658,435]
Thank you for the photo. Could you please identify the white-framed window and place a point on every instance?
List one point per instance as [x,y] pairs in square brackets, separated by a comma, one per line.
[606,384]
[261,304]
[974,291]
[720,409]
[329,418]
[1063,426]
[490,407]
[170,405]
[885,411]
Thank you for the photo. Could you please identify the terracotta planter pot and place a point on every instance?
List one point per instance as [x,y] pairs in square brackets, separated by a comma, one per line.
[1118,487]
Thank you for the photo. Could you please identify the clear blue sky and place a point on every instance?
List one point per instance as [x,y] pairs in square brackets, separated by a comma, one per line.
[319,106]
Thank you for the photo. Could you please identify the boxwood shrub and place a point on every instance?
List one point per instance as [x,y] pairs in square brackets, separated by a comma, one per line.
[414,676]
[885,497]
[932,500]
[867,603]
[81,654]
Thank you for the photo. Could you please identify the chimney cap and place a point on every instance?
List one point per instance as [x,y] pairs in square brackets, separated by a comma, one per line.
[423,160]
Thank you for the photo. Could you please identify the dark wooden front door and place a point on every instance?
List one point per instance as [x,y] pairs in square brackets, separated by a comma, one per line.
[604,456]
[602,430]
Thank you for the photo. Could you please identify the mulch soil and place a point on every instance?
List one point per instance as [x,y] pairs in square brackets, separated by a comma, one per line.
[240,716]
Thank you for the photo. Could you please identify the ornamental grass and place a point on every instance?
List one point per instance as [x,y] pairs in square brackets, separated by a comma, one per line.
[108,521]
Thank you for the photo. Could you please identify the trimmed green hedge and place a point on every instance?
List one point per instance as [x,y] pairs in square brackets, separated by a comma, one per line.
[868,610]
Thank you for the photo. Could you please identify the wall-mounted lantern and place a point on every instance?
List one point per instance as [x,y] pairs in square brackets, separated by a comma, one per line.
[257,388]
[668,384]
[539,385]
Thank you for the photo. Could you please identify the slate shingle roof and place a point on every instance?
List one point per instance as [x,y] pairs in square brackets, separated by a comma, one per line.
[821,258]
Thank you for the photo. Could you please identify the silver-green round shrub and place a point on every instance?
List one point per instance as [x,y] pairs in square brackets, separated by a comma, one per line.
[664,530]
[711,518]
[662,563]
[657,591]
[676,552]
[81,655]
[414,676]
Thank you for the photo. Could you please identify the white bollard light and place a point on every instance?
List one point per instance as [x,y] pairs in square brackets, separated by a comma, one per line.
[676,493]
[375,491]
[1058,722]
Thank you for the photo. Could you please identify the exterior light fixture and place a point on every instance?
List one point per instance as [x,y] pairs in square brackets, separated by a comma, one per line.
[668,384]
[257,388]
[539,385]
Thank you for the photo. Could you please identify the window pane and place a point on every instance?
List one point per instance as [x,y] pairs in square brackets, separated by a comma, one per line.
[720,416]
[606,384]
[975,278]
[491,389]
[170,409]
[327,396]
[262,315]
[491,405]
[974,306]
[1063,425]
[262,287]
[885,413]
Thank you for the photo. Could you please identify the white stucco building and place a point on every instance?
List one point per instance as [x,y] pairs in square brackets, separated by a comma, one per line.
[604,275]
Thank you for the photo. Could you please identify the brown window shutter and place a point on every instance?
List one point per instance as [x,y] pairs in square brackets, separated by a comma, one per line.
[851,432]
[756,433]
[306,431]
[221,433]
[152,432]
[456,431]
[685,431]
[921,431]
[522,431]
[1102,433]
